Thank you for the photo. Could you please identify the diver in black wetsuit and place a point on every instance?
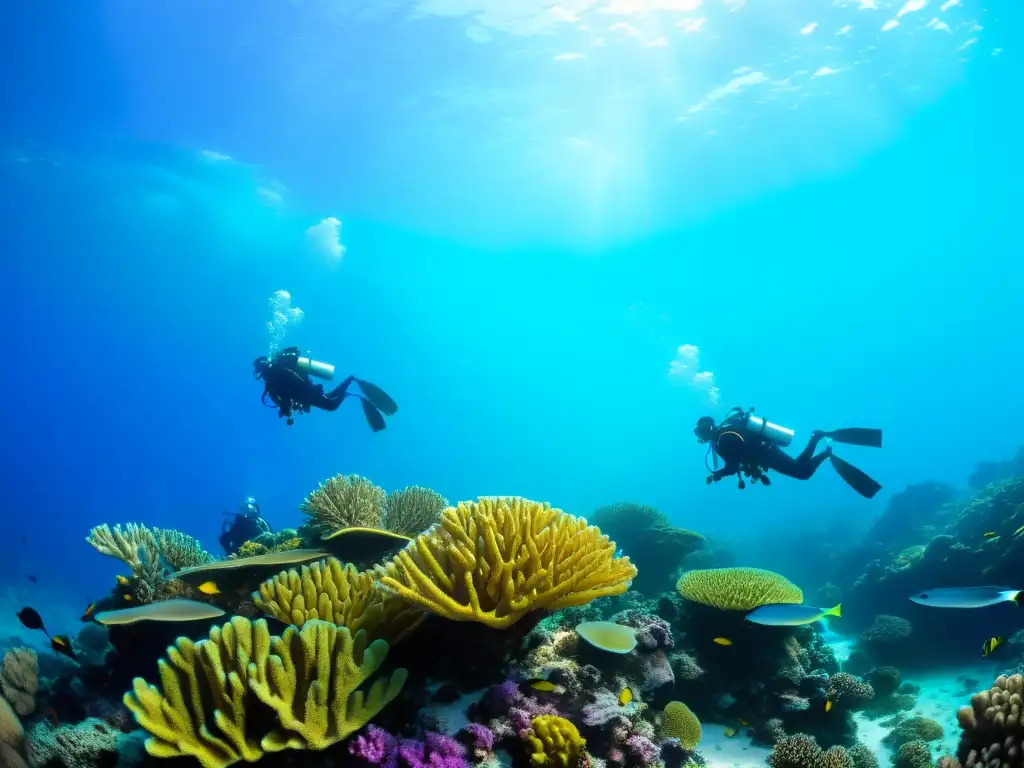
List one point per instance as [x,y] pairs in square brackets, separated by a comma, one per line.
[750,446]
[286,382]
[242,526]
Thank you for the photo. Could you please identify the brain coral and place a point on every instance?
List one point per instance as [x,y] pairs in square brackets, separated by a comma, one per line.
[737,589]
[886,629]
[680,723]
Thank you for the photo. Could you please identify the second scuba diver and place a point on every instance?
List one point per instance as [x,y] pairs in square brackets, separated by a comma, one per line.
[749,445]
[286,382]
[242,526]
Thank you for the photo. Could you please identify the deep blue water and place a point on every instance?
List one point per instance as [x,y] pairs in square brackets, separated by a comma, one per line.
[525,330]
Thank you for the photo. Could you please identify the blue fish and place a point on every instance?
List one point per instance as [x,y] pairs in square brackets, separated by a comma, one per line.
[786,615]
[966,597]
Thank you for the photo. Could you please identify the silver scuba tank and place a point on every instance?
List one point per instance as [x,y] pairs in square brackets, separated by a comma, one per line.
[781,436]
[315,368]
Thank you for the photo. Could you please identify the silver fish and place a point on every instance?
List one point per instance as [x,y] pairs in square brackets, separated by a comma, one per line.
[966,597]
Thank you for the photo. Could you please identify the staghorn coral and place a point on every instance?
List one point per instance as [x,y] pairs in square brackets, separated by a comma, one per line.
[737,589]
[19,679]
[680,723]
[554,741]
[345,501]
[179,549]
[412,510]
[136,545]
[495,560]
[340,594]
[220,697]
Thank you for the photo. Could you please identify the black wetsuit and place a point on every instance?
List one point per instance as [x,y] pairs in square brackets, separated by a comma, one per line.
[291,389]
[743,450]
[240,529]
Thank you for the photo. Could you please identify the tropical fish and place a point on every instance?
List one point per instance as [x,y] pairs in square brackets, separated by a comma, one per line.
[1019,531]
[991,644]
[124,582]
[722,641]
[127,598]
[62,644]
[787,615]
[730,732]
[966,597]
[31,619]
[743,722]
[990,534]
[625,696]
[87,616]
[209,588]
[542,685]
[828,705]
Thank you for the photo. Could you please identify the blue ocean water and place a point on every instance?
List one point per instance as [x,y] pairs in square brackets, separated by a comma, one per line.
[568,232]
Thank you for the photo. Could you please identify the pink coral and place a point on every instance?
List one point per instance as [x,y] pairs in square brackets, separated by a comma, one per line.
[643,749]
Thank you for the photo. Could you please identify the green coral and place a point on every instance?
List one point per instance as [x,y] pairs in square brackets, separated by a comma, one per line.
[680,723]
[862,756]
[180,550]
[412,510]
[241,692]
[737,589]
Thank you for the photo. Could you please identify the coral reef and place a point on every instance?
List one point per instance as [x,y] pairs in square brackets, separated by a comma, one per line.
[19,679]
[645,533]
[345,501]
[412,510]
[737,589]
[991,729]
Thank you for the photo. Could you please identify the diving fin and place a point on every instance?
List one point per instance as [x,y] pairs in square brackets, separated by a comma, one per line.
[378,397]
[373,417]
[868,438]
[854,478]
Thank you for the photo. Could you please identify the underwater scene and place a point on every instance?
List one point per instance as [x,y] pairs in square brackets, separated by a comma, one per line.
[522,383]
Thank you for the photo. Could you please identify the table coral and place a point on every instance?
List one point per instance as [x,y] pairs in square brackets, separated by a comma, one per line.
[737,589]
[495,560]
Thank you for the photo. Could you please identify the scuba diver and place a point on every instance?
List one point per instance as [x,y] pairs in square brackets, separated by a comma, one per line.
[286,381]
[750,446]
[242,526]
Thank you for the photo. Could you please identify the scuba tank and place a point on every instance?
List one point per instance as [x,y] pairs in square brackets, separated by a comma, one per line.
[766,430]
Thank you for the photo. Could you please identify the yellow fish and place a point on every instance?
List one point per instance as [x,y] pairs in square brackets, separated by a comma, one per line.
[730,732]
[540,684]
[209,588]
[722,641]
[743,722]
[991,644]
[828,705]
[127,598]
[122,580]
[1019,531]
[990,534]
[626,696]
[89,611]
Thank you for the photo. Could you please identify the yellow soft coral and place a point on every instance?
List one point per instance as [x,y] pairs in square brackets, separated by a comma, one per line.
[220,696]
[495,560]
[311,682]
[202,710]
[737,589]
[339,594]
[345,501]
[412,510]
[553,740]
[680,723]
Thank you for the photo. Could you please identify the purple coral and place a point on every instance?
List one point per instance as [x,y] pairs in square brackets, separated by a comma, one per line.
[479,737]
[643,749]
[378,747]
[651,631]
[603,710]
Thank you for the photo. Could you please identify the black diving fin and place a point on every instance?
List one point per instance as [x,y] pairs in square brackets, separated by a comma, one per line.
[854,478]
[373,416]
[868,438]
[378,397]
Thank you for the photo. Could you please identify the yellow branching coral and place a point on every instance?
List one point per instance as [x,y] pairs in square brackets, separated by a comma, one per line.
[345,501]
[341,595]
[680,723]
[412,510]
[495,560]
[737,589]
[242,693]
[554,741]
[311,681]
[202,710]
